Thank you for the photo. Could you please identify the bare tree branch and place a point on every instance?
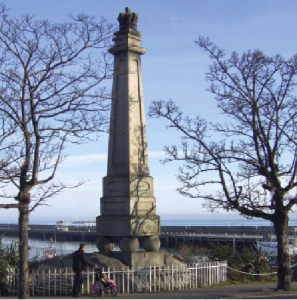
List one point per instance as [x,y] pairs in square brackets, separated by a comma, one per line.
[253,168]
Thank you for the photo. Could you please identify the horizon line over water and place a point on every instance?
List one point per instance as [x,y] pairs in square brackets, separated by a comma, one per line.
[187,222]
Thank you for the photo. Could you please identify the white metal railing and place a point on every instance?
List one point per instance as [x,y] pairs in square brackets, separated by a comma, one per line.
[152,279]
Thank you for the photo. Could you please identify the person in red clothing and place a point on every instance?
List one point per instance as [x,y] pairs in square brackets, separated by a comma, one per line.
[79,264]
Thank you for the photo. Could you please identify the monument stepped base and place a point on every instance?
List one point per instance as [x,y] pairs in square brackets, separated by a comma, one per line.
[144,259]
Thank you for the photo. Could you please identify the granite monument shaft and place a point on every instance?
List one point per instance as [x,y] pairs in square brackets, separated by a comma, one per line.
[128,205]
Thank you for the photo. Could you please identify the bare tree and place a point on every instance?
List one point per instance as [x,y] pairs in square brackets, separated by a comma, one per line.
[50,96]
[248,164]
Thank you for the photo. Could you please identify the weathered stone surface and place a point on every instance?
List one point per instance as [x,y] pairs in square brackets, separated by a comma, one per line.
[105,244]
[151,243]
[103,260]
[128,205]
[129,244]
[128,225]
[128,20]
[146,259]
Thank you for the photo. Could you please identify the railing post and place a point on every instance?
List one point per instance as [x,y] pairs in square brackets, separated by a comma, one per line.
[13,281]
[178,277]
[72,279]
[93,275]
[132,279]
[159,278]
[190,275]
[18,281]
[195,274]
[113,275]
[164,277]
[60,282]
[55,272]
[218,264]
[88,280]
[66,285]
[49,281]
[14,278]
[150,279]
[155,281]
[32,275]
[172,277]
[43,282]
[225,273]
[185,276]
[169,283]
[128,280]
[123,280]
[204,273]
[8,279]
[141,280]
[181,275]
[38,277]
[145,279]
[137,281]
[182,278]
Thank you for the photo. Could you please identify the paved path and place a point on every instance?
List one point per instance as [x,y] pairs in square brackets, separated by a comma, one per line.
[257,290]
[241,291]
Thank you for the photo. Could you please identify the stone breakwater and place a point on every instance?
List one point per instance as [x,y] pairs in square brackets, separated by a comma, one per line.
[171,236]
[89,233]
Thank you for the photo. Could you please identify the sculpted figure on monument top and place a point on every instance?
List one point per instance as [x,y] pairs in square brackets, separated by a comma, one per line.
[128,20]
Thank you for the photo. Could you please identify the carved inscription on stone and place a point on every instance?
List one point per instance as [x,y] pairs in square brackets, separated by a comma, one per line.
[116,186]
[115,206]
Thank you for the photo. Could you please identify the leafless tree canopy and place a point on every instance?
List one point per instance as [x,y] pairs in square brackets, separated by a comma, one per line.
[50,95]
[248,163]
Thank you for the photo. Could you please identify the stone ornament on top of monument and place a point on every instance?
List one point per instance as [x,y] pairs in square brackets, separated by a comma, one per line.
[128,205]
[128,20]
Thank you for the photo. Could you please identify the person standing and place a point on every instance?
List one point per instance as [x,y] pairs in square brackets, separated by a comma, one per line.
[79,264]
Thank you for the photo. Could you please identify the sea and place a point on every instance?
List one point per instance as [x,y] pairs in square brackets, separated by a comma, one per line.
[38,246]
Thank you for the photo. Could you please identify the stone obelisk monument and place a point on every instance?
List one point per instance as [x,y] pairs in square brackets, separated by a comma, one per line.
[128,205]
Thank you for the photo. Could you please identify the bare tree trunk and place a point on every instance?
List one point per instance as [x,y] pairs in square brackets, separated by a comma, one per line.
[23,292]
[283,259]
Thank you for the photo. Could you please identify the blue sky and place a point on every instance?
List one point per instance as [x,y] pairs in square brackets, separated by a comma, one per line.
[173,68]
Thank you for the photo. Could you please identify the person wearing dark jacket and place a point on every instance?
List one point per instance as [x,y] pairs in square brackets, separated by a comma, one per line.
[78,265]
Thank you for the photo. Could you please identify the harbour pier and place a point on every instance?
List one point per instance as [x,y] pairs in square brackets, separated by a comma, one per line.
[171,236]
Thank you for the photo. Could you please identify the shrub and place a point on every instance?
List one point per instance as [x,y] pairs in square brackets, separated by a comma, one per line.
[248,260]
[9,258]
[191,253]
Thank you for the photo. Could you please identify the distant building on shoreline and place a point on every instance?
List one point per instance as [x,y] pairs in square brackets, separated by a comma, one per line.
[84,223]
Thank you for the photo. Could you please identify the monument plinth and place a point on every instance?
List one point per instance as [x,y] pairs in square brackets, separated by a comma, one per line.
[128,205]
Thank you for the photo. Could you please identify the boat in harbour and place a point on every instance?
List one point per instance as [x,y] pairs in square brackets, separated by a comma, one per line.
[49,252]
[270,247]
[42,253]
